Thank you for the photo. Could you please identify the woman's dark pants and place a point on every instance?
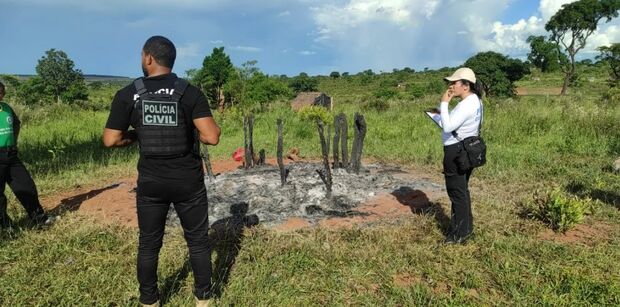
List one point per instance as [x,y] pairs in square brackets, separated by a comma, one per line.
[457,181]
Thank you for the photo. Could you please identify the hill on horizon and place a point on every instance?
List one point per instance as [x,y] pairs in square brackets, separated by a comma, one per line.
[87,77]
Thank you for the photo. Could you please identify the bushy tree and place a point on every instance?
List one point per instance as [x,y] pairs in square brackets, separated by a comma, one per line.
[59,78]
[571,26]
[247,87]
[544,54]
[263,90]
[611,55]
[334,74]
[497,72]
[304,83]
[215,71]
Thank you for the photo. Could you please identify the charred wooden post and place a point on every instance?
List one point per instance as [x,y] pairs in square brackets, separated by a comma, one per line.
[329,138]
[344,135]
[325,173]
[204,153]
[251,139]
[283,171]
[261,157]
[246,150]
[336,142]
[358,143]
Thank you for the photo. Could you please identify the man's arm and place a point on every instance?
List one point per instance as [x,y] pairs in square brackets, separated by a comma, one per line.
[208,130]
[118,138]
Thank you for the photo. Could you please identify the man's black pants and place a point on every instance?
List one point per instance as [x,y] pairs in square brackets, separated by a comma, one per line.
[13,172]
[190,202]
[457,181]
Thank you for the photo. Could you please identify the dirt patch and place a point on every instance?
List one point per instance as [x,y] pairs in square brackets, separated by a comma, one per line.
[293,223]
[533,91]
[401,203]
[581,234]
[114,202]
[405,280]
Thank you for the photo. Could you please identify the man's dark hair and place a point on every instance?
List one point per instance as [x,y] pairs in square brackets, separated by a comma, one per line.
[2,88]
[161,49]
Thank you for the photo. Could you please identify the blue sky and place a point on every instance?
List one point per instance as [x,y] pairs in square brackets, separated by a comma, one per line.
[285,37]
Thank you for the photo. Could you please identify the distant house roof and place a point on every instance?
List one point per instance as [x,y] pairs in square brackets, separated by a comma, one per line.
[311,98]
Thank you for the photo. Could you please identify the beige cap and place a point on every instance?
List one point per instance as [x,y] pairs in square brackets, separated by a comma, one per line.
[462,74]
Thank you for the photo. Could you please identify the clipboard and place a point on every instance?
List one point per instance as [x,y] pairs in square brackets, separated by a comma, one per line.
[435,117]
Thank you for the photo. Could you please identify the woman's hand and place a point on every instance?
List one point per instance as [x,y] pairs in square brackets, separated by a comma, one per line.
[447,96]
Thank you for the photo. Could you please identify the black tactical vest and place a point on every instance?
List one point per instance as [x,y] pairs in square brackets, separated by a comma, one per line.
[160,122]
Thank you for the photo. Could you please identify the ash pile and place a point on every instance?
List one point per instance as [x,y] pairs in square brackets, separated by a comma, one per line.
[313,191]
[304,195]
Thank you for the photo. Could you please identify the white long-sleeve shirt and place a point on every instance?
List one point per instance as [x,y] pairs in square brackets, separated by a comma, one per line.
[464,118]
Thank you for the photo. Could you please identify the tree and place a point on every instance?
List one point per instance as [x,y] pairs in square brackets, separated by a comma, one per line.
[571,26]
[59,78]
[263,90]
[544,54]
[304,83]
[334,74]
[215,71]
[611,55]
[497,72]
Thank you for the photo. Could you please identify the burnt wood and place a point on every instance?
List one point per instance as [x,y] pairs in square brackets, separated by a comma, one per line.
[325,173]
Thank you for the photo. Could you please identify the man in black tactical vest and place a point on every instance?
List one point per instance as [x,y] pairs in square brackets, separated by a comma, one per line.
[13,172]
[169,117]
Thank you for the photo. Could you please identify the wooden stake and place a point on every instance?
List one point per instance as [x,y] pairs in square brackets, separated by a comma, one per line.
[325,173]
[283,172]
[358,143]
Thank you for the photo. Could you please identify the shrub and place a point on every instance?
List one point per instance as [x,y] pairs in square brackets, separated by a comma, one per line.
[374,103]
[558,209]
[312,113]
[436,86]
[387,93]
[612,95]
[416,91]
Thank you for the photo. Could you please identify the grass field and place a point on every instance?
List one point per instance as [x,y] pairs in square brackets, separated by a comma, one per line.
[534,142]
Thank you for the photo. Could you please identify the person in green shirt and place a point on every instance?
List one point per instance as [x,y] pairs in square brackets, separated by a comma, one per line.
[13,171]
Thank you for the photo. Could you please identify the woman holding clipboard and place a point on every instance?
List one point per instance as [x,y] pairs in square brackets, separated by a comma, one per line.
[461,122]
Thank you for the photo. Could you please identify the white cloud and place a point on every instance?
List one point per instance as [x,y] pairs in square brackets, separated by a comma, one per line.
[246,48]
[285,13]
[395,33]
[334,21]
[548,8]
[510,38]
[382,35]
[217,42]
[306,52]
[505,38]
[188,50]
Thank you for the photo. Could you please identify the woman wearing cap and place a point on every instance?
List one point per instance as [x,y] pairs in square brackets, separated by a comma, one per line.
[459,123]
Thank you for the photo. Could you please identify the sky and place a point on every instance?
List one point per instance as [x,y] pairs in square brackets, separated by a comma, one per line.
[284,36]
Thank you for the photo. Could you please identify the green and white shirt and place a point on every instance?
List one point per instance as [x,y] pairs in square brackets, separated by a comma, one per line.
[7,133]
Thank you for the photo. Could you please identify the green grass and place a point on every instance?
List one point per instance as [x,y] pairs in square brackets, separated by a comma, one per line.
[534,141]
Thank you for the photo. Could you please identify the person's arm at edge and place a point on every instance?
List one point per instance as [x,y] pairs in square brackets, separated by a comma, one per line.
[17,125]
[118,138]
[208,130]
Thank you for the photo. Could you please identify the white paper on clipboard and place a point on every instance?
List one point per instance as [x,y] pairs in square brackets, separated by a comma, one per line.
[435,117]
